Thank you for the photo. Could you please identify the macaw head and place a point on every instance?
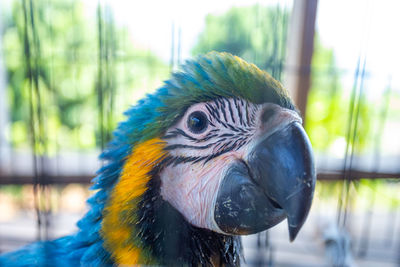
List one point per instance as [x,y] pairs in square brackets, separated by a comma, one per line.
[218,151]
[238,168]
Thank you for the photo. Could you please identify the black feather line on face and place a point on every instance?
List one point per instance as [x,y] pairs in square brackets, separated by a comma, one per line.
[238,109]
[226,135]
[178,131]
[172,241]
[208,137]
[175,146]
[223,112]
[248,122]
[170,135]
[231,111]
[240,116]
[210,122]
[233,128]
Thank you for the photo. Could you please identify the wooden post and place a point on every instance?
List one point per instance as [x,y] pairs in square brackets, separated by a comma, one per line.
[300,50]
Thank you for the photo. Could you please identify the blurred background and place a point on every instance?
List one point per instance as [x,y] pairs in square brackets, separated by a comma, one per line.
[68,69]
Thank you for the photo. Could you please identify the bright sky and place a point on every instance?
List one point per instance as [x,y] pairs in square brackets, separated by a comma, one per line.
[366,27]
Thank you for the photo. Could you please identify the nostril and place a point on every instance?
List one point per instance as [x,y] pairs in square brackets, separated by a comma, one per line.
[274,203]
[267,114]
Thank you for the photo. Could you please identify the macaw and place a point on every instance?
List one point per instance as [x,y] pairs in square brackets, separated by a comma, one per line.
[217,152]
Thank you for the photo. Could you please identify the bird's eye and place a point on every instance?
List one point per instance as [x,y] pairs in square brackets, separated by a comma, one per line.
[197,122]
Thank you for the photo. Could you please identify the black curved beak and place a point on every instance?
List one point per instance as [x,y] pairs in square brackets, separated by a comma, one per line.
[277,181]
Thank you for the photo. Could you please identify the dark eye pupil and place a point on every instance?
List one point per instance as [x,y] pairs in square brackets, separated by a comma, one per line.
[197,122]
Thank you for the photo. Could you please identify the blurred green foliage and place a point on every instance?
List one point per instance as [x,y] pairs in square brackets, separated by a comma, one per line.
[326,110]
[256,33]
[59,59]
[329,105]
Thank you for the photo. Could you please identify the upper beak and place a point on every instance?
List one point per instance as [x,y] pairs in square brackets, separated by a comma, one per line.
[277,181]
[283,166]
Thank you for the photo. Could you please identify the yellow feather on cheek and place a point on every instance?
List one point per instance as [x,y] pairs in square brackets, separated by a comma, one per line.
[118,226]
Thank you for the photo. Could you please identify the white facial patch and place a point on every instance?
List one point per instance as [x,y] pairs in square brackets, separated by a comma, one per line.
[193,188]
[202,146]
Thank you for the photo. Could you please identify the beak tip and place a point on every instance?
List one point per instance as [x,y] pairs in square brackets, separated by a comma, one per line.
[293,231]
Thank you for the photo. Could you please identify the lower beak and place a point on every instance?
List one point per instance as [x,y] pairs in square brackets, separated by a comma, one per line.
[277,181]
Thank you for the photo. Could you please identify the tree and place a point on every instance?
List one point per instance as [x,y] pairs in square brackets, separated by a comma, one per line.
[256,33]
[70,74]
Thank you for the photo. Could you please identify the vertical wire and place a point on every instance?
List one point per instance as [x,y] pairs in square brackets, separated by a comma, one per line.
[256,28]
[106,60]
[106,71]
[37,137]
[284,40]
[100,74]
[110,40]
[124,58]
[73,53]
[275,46]
[262,249]
[254,57]
[259,254]
[106,83]
[348,134]
[353,141]
[270,58]
[40,136]
[270,247]
[27,53]
[50,68]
